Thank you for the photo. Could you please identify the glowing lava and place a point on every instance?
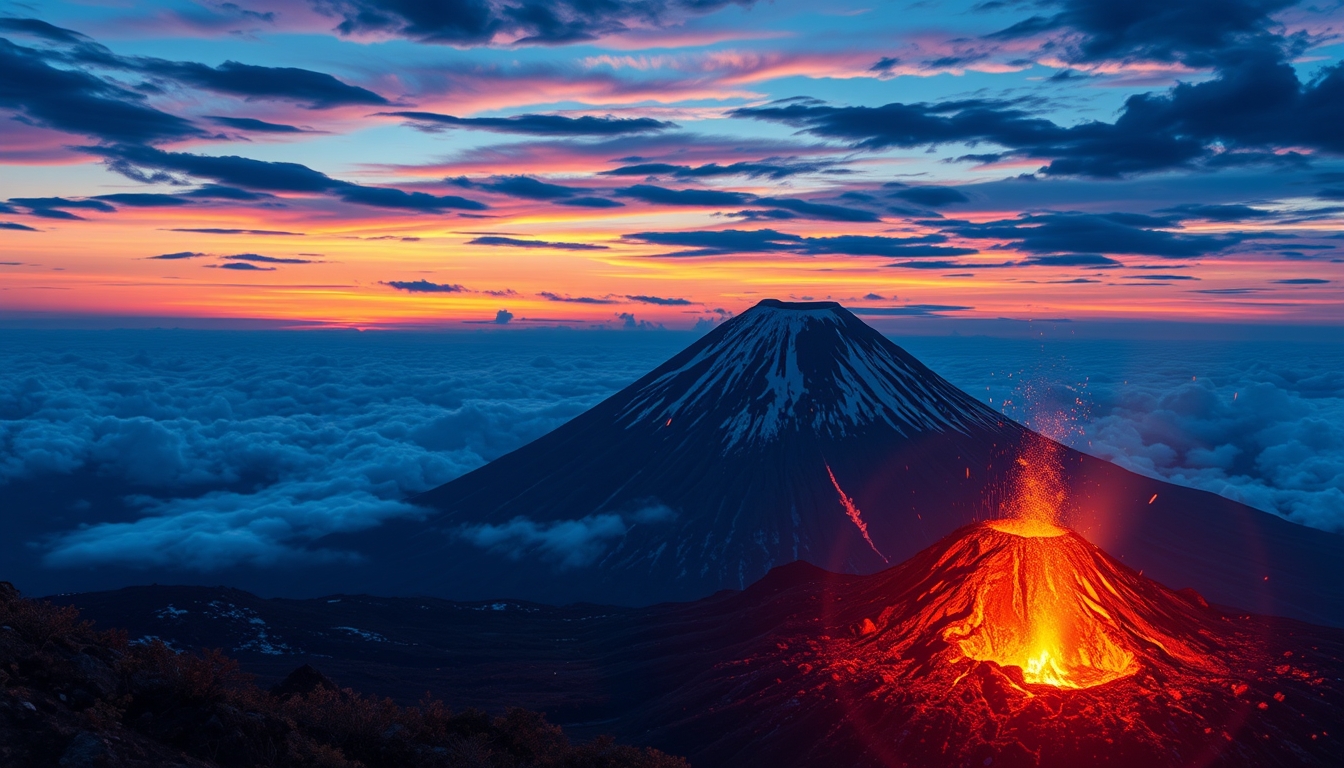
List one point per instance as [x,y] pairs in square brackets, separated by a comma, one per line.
[1038,605]
[1039,597]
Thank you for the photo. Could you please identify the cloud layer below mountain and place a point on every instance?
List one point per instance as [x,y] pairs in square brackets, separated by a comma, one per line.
[1262,423]
[245,449]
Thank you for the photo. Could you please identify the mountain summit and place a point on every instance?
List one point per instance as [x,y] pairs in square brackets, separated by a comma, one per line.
[797,432]
[788,370]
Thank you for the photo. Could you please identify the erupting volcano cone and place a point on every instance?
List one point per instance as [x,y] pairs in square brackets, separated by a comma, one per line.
[1038,597]
[1030,595]
[1010,642]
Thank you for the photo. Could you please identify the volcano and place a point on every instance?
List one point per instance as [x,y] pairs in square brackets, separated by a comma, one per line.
[797,432]
[1004,644]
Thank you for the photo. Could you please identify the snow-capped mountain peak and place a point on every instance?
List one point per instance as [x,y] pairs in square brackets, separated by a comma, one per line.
[781,367]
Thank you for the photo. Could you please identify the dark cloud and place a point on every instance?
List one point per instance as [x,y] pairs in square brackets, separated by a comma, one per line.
[704,198]
[820,211]
[478,22]
[1163,277]
[631,323]
[218,231]
[512,242]
[178,256]
[647,169]
[525,187]
[549,296]
[711,198]
[1331,193]
[1301,281]
[257,257]
[242,266]
[42,29]
[145,200]
[721,242]
[503,316]
[424,286]
[1163,30]
[1255,110]
[1091,233]
[254,125]
[143,163]
[390,197]
[537,125]
[933,197]
[911,125]
[138,162]
[590,202]
[762,169]
[910,310]
[77,102]
[754,214]
[1072,260]
[1212,212]
[53,213]
[948,265]
[13,225]
[662,302]
[317,90]
[880,245]
[731,241]
[884,64]
[45,203]
[216,192]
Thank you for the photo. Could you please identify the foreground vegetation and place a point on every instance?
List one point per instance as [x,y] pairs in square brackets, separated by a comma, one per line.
[73,696]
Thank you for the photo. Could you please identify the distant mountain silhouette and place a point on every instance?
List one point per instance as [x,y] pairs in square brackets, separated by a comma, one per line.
[797,432]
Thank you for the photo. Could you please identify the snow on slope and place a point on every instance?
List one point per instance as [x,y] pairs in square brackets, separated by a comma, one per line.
[758,381]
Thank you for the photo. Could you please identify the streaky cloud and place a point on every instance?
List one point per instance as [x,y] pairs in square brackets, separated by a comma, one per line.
[225,231]
[424,286]
[513,242]
[537,125]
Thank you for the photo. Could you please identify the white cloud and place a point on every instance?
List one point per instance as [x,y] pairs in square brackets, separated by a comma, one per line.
[1256,422]
[245,448]
[566,543]
[242,448]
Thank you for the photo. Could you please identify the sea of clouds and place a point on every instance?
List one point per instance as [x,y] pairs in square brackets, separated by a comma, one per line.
[229,449]
[1258,422]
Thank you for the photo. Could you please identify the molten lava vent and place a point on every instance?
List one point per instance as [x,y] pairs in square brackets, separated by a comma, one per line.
[1038,597]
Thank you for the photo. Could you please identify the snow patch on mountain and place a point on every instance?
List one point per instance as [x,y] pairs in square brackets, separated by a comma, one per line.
[777,367]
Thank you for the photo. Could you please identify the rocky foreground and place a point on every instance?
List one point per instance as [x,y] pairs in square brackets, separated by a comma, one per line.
[75,697]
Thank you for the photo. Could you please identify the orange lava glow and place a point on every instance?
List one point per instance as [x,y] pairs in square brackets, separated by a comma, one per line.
[1038,605]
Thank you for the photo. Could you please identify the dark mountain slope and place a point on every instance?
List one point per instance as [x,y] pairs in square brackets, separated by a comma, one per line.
[797,432]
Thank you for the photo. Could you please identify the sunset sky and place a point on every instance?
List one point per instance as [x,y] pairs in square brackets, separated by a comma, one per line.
[387,163]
